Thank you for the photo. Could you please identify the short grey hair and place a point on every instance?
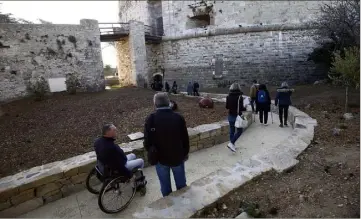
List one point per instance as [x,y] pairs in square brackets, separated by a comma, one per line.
[235,86]
[284,84]
[161,100]
[106,128]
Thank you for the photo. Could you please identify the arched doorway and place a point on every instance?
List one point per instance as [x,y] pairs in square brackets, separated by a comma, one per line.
[157,83]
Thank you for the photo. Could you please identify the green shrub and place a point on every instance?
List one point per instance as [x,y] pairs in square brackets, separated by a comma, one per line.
[39,87]
[345,68]
[112,81]
[72,83]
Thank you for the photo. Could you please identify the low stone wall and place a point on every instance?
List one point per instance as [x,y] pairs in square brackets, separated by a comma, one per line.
[30,189]
[191,200]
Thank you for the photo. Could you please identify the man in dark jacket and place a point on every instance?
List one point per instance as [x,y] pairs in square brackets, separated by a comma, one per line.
[166,131]
[195,89]
[110,155]
[263,103]
[234,104]
[283,100]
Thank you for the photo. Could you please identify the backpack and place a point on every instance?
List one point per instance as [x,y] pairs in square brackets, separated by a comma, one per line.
[152,152]
[262,96]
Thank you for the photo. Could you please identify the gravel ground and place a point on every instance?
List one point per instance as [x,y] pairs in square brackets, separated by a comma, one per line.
[34,133]
[326,182]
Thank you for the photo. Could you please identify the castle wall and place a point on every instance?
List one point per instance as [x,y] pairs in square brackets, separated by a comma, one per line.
[49,50]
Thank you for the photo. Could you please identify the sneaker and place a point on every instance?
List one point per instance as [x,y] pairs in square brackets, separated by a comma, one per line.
[231,147]
[281,126]
[265,124]
[286,125]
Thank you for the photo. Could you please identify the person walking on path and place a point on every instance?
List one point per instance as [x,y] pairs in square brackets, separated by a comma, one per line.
[189,88]
[234,104]
[195,89]
[263,103]
[174,87]
[252,95]
[166,140]
[283,100]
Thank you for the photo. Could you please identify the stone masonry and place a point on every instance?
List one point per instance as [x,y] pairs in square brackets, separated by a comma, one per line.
[50,50]
[267,40]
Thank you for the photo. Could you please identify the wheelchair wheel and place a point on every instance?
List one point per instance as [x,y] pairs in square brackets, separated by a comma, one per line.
[116,195]
[93,182]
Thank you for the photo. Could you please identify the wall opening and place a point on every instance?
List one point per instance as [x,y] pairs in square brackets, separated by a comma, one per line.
[199,21]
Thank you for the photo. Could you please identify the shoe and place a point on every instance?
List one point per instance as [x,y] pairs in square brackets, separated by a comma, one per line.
[265,124]
[281,126]
[286,125]
[231,147]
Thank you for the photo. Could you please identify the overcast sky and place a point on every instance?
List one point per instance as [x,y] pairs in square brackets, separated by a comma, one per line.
[66,12]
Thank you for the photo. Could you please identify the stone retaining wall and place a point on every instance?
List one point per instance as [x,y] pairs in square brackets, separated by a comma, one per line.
[30,189]
[191,200]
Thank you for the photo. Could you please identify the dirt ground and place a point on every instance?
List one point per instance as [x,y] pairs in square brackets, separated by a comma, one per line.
[326,182]
[34,133]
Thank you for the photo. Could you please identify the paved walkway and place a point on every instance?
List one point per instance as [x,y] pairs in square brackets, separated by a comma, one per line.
[255,139]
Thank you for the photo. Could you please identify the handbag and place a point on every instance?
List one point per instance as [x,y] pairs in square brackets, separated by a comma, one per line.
[152,152]
[241,121]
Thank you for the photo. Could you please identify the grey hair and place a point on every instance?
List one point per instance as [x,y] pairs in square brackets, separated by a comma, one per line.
[284,84]
[161,100]
[106,128]
[235,86]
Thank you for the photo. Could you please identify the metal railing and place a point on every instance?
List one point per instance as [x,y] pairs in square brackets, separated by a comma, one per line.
[113,28]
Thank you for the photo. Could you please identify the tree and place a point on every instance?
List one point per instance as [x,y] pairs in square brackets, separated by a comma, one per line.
[108,71]
[8,18]
[345,69]
[339,22]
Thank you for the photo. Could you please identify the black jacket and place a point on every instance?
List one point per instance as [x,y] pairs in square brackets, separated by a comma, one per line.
[170,137]
[232,103]
[283,97]
[111,155]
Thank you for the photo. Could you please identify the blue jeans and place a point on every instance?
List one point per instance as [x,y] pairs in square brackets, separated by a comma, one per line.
[163,173]
[233,135]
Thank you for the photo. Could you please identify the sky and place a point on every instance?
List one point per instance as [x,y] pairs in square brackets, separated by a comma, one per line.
[67,12]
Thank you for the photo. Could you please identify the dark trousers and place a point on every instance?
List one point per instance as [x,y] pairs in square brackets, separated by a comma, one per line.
[163,173]
[195,92]
[253,104]
[283,113]
[233,135]
[263,113]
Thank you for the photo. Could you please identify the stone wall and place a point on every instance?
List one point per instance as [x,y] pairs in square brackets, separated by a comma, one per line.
[40,185]
[124,61]
[52,51]
[270,54]
[224,14]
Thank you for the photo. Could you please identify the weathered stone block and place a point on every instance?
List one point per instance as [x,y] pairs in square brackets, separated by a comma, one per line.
[5,205]
[70,189]
[204,135]
[206,143]
[6,193]
[43,178]
[23,196]
[87,167]
[193,148]
[52,196]
[71,172]
[48,188]
[80,178]
[221,139]
[22,208]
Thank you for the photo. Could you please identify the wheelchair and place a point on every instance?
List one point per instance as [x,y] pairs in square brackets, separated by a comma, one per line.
[115,192]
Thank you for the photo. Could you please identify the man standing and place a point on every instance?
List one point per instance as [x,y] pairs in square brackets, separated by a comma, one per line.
[166,137]
[195,89]
[252,95]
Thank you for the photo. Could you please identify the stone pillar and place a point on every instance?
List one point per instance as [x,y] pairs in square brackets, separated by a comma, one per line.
[124,62]
[138,54]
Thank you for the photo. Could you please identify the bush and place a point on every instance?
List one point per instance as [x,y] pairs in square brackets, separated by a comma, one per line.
[39,87]
[72,83]
[112,81]
[345,68]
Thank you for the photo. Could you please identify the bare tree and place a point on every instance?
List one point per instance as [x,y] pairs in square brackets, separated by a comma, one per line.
[339,21]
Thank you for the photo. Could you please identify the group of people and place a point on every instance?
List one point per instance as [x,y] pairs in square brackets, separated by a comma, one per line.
[192,89]
[166,137]
[260,101]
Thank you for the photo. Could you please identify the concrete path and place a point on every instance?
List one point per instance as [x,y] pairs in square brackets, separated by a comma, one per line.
[256,138]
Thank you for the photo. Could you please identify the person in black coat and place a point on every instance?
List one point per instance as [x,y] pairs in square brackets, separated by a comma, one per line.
[174,87]
[263,103]
[166,135]
[167,87]
[233,101]
[195,89]
[110,157]
[283,100]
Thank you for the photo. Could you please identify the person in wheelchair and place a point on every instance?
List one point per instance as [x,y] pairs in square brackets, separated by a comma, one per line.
[111,159]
